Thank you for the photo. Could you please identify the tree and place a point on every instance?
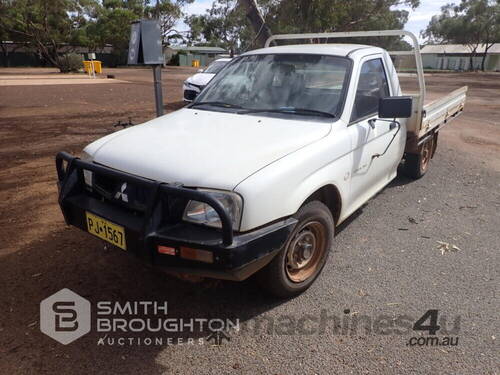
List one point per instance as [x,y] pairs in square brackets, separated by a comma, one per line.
[224,25]
[47,25]
[301,16]
[44,24]
[111,24]
[474,23]
[315,16]
[168,12]
[260,28]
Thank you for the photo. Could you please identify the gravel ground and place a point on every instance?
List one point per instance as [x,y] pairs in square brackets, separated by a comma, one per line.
[385,269]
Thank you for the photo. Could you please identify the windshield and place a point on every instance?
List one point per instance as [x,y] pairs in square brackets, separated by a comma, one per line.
[215,67]
[281,82]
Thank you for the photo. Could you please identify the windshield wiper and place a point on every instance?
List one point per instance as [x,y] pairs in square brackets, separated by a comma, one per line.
[294,110]
[217,104]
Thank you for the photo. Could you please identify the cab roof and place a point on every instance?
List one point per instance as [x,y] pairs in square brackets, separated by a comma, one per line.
[337,49]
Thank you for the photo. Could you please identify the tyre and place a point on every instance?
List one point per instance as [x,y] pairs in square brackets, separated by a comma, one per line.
[435,144]
[304,255]
[416,165]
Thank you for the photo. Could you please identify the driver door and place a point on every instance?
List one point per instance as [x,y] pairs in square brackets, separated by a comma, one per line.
[369,174]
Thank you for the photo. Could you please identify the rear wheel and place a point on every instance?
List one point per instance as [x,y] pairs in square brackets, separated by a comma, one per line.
[416,165]
[302,258]
[435,143]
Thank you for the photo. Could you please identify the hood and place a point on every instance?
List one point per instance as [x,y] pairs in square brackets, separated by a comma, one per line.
[200,79]
[203,148]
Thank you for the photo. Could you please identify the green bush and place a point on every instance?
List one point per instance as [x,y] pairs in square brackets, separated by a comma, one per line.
[70,62]
[174,60]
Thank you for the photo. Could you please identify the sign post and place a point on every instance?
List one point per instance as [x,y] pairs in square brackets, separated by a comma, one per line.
[145,48]
[92,68]
[158,90]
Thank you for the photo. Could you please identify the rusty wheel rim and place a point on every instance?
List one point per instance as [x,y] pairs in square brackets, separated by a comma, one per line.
[305,251]
[426,155]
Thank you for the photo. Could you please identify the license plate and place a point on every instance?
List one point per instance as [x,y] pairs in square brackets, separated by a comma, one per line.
[106,230]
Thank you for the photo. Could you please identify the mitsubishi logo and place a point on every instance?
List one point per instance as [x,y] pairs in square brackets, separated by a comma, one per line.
[121,194]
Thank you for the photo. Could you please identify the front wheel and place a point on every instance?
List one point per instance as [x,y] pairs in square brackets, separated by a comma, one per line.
[304,255]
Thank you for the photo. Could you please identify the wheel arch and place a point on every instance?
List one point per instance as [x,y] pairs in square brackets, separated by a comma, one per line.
[330,196]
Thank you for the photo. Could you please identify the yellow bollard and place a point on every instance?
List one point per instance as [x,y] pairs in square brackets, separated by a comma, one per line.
[97,65]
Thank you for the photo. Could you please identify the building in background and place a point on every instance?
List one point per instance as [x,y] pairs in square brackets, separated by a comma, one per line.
[186,54]
[457,57]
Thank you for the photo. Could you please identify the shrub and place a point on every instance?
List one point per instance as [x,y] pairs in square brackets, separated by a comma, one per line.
[174,60]
[70,62]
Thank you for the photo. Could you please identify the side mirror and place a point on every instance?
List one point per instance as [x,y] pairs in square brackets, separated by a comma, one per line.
[200,70]
[395,107]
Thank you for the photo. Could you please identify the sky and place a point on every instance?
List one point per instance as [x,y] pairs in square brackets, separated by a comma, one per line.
[418,19]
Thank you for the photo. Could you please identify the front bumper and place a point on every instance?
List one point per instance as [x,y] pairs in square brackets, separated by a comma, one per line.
[235,256]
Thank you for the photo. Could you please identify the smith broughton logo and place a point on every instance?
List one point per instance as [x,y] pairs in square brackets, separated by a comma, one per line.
[65,316]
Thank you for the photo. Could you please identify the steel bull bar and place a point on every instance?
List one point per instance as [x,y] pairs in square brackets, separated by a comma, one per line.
[235,256]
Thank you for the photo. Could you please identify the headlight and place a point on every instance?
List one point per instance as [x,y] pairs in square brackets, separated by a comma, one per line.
[87,175]
[202,213]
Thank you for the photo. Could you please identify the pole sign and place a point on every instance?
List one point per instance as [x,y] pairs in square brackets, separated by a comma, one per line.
[145,46]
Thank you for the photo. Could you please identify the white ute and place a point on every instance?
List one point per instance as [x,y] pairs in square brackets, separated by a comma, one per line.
[254,176]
